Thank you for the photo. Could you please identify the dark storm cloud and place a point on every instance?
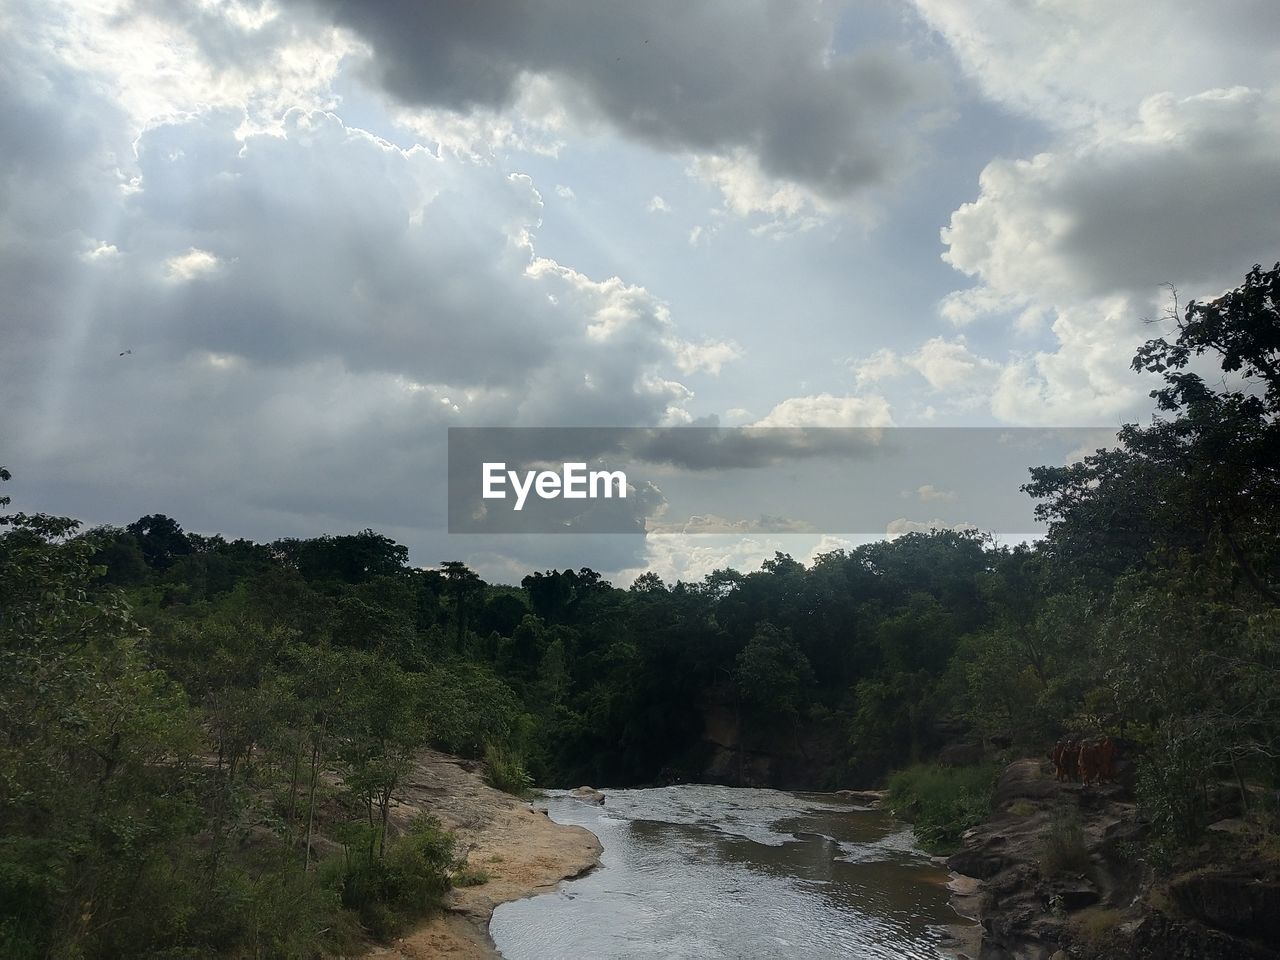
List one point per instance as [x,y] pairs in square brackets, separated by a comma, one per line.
[710,77]
[729,448]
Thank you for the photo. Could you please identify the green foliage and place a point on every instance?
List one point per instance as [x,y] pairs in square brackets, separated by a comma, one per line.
[470,877]
[407,883]
[773,675]
[183,718]
[942,802]
[505,769]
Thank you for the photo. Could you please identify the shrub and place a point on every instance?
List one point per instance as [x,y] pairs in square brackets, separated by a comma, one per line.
[1063,849]
[407,883]
[942,802]
[506,769]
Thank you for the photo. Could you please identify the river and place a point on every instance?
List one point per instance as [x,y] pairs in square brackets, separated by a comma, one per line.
[703,871]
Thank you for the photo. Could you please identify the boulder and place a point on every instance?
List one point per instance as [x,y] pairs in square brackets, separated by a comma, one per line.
[1023,780]
[1235,902]
[587,795]
[960,754]
[981,863]
[1161,937]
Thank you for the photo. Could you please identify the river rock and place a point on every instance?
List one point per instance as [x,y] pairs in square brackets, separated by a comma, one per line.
[587,795]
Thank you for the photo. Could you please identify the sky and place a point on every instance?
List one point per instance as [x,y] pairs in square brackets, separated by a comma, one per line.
[257,258]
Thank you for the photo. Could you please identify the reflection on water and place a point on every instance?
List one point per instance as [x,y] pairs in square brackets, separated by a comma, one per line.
[701,871]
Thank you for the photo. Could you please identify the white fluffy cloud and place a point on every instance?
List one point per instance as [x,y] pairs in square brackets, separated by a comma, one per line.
[827,410]
[1189,193]
[1073,63]
[1160,170]
[1087,234]
[949,368]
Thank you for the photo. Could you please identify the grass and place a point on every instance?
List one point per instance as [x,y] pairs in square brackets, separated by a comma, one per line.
[1063,849]
[505,770]
[942,802]
[470,877]
[1096,925]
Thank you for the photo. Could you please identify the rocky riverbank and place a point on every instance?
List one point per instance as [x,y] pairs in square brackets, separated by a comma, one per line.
[520,849]
[1055,873]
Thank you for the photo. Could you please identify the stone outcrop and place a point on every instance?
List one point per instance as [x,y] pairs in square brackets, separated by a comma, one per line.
[1242,903]
[1053,875]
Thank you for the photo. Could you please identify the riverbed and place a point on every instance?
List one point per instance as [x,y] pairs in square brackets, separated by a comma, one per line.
[699,871]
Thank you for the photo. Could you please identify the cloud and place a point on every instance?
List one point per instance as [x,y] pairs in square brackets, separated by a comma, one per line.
[1077,63]
[902,525]
[929,492]
[308,308]
[1085,235]
[754,86]
[190,265]
[658,205]
[155,59]
[1163,121]
[690,557]
[1188,193]
[950,366]
[748,189]
[884,364]
[713,524]
[827,410]
[565,193]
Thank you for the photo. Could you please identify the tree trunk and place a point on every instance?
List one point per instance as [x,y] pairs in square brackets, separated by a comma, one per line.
[311,802]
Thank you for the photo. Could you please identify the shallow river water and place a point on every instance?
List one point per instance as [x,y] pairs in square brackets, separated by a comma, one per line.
[703,871]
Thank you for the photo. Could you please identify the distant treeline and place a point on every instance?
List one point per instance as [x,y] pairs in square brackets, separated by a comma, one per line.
[187,723]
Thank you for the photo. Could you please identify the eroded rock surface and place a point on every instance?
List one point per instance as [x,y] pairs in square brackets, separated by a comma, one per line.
[1054,875]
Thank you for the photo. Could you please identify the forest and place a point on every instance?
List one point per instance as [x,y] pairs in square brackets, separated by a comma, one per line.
[182,715]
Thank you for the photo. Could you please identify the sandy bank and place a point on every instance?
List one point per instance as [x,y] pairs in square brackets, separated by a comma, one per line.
[523,852]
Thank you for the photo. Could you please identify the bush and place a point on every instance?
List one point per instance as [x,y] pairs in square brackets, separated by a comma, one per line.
[942,802]
[1063,849]
[506,769]
[407,883]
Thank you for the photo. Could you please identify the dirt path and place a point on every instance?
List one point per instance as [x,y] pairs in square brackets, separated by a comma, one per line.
[522,851]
